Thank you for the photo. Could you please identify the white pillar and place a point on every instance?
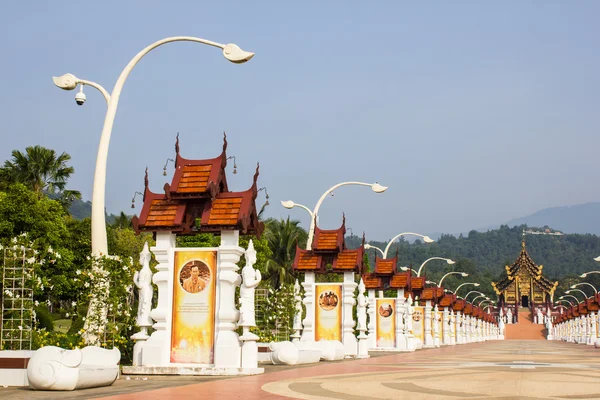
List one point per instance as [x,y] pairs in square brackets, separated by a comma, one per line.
[452,328]
[597,345]
[227,344]
[156,349]
[371,325]
[428,338]
[297,325]
[308,333]
[591,323]
[350,342]
[436,327]
[446,327]
[400,337]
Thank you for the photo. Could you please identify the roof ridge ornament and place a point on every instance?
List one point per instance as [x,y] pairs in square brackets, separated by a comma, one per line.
[177,144]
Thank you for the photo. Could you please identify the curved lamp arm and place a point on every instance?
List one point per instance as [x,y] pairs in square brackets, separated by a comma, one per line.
[426,239]
[70,82]
[472,291]
[585,296]
[568,295]
[589,273]
[464,274]
[370,246]
[585,283]
[290,204]
[466,283]
[449,261]
[406,269]
[565,301]
[377,188]
[476,297]
[484,301]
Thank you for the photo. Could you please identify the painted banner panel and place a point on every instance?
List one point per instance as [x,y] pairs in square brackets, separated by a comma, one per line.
[439,319]
[418,317]
[386,323]
[328,312]
[194,292]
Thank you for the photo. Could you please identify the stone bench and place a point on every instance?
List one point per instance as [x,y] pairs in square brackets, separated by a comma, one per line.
[54,368]
[13,367]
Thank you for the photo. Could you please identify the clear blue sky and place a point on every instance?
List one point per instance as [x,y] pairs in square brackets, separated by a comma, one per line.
[472,112]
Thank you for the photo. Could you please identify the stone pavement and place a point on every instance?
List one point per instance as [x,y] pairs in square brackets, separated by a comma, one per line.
[515,369]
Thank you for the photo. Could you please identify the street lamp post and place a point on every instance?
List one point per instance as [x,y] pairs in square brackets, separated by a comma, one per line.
[376,187]
[588,273]
[69,82]
[585,296]
[585,283]
[568,295]
[564,301]
[476,297]
[407,268]
[463,284]
[384,253]
[463,274]
[448,261]
[472,291]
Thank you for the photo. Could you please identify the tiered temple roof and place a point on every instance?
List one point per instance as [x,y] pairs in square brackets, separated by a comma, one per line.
[385,275]
[524,262]
[198,200]
[329,249]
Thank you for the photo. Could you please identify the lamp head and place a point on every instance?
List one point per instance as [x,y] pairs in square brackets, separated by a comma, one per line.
[233,53]
[582,275]
[573,286]
[66,82]
[404,268]
[449,261]
[367,246]
[567,291]
[561,297]
[597,258]
[463,274]
[288,204]
[377,188]
[427,239]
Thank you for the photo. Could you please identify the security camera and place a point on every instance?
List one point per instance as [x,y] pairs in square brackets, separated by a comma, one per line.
[80,97]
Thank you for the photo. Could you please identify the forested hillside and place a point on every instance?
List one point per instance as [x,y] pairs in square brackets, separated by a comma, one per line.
[484,255]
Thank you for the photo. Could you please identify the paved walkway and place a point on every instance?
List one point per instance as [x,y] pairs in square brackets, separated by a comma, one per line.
[515,369]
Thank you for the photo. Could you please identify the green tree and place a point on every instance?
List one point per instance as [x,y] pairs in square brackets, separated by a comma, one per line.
[41,170]
[282,237]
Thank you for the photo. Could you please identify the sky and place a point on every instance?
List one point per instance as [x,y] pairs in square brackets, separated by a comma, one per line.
[472,113]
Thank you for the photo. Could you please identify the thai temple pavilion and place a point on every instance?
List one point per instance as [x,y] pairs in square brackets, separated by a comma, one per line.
[524,285]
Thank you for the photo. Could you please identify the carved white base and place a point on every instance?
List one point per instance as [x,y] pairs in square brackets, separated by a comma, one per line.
[54,368]
[14,376]
[190,370]
[363,347]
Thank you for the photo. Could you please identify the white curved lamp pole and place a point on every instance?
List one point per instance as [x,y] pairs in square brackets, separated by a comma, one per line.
[432,283]
[484,301]
[588,273]
[476,297]
[449,261]
[564,301]
[376,187]
[585,296]
[560,305]
[99,242]
[472,291]
[568,295]
[585,283]
[597,258]
[466,283]
[406,269]
[370,246]
[426,239]
[463,274]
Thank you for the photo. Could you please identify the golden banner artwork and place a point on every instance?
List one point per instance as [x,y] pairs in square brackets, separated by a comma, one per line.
[439,318]
[386,323]
[328,312]
[194,292]
[418,317]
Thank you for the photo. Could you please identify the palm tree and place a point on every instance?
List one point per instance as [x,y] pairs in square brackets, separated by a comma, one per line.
[282,236]
[122,221]
[41,170]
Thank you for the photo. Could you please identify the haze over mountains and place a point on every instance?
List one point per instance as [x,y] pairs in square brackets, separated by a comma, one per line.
[579,218]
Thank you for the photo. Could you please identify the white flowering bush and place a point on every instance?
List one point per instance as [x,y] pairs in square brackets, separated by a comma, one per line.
[275,314]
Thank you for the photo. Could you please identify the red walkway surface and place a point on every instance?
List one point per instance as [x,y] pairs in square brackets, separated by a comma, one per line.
[525,328]
[249,388]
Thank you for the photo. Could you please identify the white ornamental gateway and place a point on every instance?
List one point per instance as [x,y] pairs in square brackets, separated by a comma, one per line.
[195,320]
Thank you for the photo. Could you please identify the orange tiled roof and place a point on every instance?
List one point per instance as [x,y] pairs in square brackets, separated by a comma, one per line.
[385,266]
[327,241]
[225,211]
[347,260]
[371,281]
[399,281]
[330,240]
[162,213]
[194,178]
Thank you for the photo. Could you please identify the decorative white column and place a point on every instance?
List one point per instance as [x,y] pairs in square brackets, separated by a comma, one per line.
[371,326]
[308,333]
[408,325]
[591,323]
[436,327]
[452,328]
[156,349]
[143,280]
[400,344]
[428,338]
[348,288]
[446,327]
[227,344]
[297,327]
[597,345]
